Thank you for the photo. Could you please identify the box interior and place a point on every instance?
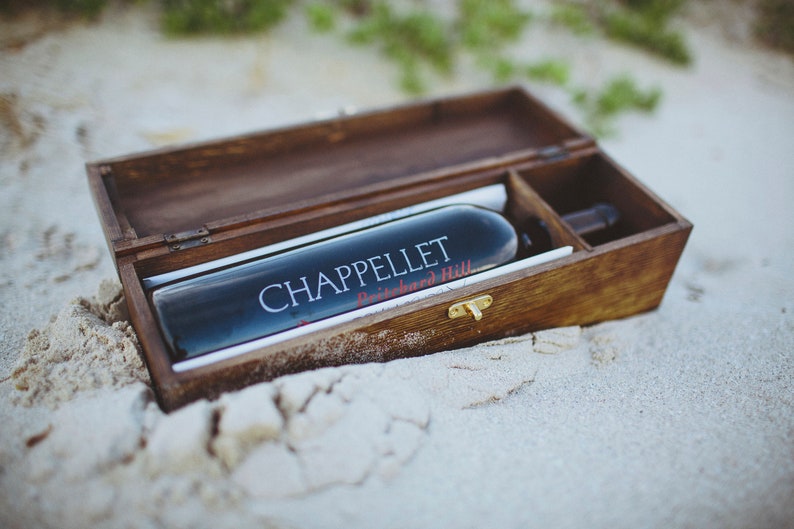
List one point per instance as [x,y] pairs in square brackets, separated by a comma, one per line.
[544,190]
[269,174]
[580,182]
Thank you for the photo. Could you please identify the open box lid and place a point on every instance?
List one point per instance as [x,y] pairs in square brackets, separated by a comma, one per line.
[152,199]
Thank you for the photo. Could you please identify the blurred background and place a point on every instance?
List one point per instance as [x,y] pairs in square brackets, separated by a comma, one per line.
[677,91]
[380,50]
[89,79]
[694,98]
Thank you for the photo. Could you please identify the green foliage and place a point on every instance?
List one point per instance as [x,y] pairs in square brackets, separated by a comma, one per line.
[504,69]
[549,71]
[641,23]
[421,43]
[186,17]
[321,16]
[411,40]
[659,10]
[487,25]
[620,94]
[775,26]
[89,9]
[646,31]
[574,17]
[501,68]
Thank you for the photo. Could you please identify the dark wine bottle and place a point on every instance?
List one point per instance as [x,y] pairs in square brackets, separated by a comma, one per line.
[243,302]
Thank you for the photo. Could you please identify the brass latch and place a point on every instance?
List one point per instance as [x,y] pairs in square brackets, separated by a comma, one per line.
[472,307]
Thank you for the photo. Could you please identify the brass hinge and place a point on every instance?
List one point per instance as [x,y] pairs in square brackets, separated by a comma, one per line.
[188,239]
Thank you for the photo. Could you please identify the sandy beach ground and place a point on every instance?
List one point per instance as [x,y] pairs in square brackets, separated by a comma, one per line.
[682,417]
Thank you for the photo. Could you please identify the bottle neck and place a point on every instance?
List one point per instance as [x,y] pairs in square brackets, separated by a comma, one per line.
[535,238]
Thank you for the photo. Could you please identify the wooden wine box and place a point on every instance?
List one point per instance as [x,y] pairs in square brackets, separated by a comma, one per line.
[179,208]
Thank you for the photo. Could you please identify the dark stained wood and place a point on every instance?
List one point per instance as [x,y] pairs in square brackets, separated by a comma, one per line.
[257,189]
[525,203]
[284,170]
[582,289]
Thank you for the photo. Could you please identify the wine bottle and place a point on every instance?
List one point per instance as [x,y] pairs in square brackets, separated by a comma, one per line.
[243,302]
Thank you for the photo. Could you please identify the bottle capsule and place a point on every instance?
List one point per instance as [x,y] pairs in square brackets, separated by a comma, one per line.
[252,300]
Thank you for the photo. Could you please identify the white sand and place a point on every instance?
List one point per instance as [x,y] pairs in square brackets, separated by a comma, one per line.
[682,417]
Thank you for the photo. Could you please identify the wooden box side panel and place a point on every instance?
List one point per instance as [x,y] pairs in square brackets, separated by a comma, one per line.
[586,288]
[106,209]
[582,289]
[155,354]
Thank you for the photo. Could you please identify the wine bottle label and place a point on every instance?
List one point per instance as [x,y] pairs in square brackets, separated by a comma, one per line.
[272,294]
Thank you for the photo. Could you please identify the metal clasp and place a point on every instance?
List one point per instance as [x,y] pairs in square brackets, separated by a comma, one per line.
[472,307]
[188,239]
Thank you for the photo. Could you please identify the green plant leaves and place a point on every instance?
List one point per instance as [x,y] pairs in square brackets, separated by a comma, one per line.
[422,42]
[190,17]
[620,94]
